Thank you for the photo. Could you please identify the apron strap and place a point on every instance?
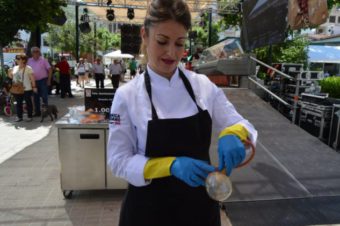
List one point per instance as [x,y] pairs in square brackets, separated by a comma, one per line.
[148,89]
[186,84]
[189,88]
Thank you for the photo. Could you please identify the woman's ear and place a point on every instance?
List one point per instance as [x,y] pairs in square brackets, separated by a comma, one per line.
[143,34]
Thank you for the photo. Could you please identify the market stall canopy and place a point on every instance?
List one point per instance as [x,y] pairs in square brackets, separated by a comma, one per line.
[331,40]
[116,55]
[324,54]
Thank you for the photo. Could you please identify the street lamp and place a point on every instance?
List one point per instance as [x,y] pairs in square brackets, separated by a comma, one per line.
[85,19]
[110,14]
[130,13]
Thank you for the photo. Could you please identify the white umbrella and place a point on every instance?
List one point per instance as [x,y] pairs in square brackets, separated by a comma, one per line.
[117,54]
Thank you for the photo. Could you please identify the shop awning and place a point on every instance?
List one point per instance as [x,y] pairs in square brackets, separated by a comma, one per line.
[324,54]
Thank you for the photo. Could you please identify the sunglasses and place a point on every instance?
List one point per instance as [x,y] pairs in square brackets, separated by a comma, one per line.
[19,58]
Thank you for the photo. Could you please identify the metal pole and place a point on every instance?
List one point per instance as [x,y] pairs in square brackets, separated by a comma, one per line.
[272,68]
[209,26]
[268,91]
[296,100]
[77,32]
[95,40]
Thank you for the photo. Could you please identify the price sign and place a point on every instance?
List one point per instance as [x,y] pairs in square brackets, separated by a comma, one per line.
[99,100]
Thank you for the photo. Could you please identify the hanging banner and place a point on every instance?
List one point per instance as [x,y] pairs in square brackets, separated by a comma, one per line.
[13,50]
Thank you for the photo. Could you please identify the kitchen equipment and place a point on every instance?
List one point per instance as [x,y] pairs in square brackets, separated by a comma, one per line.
[218,184]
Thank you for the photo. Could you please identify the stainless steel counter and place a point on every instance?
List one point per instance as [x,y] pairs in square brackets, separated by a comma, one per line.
[82,154]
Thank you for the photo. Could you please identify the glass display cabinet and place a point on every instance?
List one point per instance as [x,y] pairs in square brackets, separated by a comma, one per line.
[226,58]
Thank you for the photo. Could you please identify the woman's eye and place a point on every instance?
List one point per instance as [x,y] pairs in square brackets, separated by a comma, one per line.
[179,44]
[161,43]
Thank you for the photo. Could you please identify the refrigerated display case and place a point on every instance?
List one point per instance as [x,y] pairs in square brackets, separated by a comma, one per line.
[226,58]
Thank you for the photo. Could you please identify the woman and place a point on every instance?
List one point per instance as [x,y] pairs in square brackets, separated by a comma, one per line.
[160,130]
[81,70]
[24,74]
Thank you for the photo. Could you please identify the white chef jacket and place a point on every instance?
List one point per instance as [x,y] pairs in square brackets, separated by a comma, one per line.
[131,111]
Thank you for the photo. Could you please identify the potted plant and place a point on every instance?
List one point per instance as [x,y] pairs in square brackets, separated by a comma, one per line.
[331,85]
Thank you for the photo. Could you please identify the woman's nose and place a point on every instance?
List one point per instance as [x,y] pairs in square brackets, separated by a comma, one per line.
[171,50]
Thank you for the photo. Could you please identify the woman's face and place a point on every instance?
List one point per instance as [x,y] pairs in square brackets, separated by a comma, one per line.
[20,60]
[165,46]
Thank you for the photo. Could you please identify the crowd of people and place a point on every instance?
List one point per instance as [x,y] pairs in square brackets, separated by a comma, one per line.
[42,77]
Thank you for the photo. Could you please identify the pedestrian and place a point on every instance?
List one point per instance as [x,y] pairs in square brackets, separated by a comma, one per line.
[160,130]
[56,80]
[81,70]
[122,64]
[22,73]
[115,72]
[42,71]
[140,69]
[50,87]
[99,73]
[64,77]
[88,69]
[133,68]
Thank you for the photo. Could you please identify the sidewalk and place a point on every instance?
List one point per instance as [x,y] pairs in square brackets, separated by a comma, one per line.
[29,176]
[30,191]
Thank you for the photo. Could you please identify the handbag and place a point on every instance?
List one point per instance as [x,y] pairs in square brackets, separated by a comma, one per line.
[307,13]
[18,87]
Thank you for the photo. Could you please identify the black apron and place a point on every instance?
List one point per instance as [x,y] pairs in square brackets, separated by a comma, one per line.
[169,201]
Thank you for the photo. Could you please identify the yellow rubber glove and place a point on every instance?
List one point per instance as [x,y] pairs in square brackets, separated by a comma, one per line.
[158,167]
[237,130]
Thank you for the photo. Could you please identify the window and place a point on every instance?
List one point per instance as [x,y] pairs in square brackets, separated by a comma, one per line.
[332,19]
[338,19]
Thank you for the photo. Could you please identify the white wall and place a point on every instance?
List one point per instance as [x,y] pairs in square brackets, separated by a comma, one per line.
[332,26]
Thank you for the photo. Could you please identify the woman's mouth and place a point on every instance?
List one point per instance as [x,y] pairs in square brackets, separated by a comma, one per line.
[168,62]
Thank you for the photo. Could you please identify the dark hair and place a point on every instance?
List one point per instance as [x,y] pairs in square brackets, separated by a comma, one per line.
[22,56]
[163,10]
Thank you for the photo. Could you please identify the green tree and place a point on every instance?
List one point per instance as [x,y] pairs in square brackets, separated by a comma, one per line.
[62,39]
[107,40]
[26,14]
[291,51]
[202,30]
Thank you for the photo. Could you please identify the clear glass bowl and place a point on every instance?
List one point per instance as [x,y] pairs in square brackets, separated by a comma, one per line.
[218,186]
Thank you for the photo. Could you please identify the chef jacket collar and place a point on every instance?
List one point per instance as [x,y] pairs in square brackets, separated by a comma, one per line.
[162,81]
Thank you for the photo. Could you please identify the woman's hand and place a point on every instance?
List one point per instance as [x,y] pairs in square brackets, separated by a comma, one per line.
[231,152]
[35,90]
[191,171]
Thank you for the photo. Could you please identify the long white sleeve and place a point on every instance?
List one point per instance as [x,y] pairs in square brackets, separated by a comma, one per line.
[122,156]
